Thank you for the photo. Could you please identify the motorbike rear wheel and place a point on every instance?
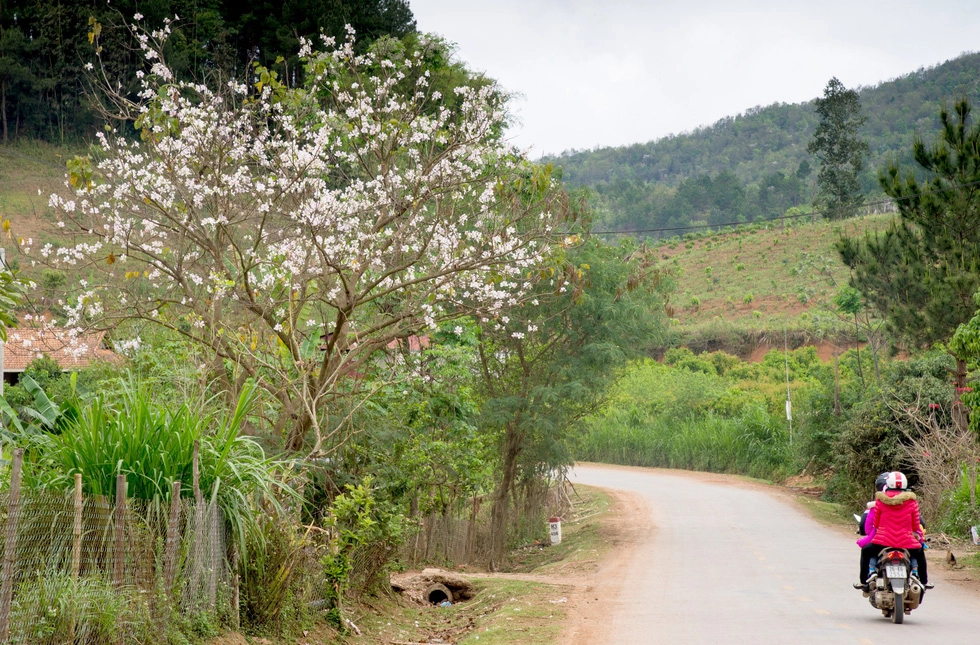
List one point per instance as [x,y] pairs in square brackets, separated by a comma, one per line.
[898,613]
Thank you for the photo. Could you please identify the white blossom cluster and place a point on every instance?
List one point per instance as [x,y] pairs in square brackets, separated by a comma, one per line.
[265,209]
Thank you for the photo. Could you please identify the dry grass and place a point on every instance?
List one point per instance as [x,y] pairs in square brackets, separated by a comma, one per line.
[24,170]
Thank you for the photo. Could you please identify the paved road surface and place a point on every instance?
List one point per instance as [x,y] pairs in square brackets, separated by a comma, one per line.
[732,564]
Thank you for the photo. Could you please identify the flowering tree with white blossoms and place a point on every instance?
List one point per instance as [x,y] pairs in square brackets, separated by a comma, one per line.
[294,232]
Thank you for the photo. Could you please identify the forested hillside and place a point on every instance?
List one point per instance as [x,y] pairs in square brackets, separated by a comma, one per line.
[755,165]
[45,46]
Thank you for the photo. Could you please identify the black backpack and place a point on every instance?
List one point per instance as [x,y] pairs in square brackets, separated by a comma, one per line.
[864,517]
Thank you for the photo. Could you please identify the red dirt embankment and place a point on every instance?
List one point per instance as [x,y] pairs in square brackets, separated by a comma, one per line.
[825,350]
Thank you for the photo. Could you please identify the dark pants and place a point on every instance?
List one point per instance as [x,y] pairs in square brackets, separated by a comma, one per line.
[872,550]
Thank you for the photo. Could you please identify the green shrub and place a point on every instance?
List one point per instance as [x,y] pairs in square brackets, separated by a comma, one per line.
[48,375]
[683,358]
[365,532]
[682,414]
[958,512]
[754,443]
[723,361]
[45,371]
[875,427]
[57,608]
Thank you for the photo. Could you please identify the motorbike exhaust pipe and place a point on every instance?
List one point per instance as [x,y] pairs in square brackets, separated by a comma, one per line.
[916,589]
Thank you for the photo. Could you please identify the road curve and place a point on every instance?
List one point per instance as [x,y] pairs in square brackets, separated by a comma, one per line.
[727,562]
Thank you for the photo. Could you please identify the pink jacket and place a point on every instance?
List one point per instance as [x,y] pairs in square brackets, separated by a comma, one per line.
[896,520]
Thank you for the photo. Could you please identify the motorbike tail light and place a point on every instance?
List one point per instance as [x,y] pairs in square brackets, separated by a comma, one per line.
[895,555]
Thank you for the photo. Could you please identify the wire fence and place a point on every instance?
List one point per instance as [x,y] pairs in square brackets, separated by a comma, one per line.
[463,535]
[78,569]
[90,570]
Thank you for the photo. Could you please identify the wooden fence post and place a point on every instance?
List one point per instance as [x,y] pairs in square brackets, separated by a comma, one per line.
[119,544]
[10,545]
[199,544]
[173,539]
[214,552]
[76,543]
[236,621]
[196,473]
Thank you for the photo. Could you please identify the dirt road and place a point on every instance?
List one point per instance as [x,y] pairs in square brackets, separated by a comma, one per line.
[707,559]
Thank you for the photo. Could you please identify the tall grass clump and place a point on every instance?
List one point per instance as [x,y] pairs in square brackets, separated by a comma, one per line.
[153,446]
[670,417]
[755,443]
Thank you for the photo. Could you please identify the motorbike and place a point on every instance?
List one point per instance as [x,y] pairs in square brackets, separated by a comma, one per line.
[894,586]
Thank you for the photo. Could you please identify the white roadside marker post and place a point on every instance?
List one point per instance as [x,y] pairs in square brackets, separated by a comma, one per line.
[555,526]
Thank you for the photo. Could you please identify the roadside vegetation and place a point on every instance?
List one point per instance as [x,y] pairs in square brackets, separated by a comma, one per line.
[718,413]
[505,609]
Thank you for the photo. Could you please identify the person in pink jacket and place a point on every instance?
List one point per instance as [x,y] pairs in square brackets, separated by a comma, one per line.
[894,521]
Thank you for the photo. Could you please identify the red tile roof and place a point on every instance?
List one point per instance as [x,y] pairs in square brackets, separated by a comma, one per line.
[70,351]
[415,343]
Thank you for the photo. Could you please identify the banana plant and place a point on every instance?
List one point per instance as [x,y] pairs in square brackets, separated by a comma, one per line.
[43,416]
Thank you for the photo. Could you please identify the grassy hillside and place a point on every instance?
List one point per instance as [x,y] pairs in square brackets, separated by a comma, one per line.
[741,288]
[24,170]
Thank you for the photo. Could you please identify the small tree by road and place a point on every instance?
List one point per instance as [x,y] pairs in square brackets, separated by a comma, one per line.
[553,361]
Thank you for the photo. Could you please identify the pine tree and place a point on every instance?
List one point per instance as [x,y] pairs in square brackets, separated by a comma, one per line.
[921,273]
[840,150]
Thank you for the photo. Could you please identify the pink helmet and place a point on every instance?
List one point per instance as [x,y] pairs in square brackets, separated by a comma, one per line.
[896,481]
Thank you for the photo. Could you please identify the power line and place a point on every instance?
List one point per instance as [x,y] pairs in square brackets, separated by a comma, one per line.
[48,162]
[880,202]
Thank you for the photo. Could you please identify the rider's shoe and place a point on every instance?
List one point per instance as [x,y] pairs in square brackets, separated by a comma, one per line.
[929,585]
[861,586]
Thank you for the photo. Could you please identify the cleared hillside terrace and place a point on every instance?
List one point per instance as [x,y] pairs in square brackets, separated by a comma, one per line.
[757,284]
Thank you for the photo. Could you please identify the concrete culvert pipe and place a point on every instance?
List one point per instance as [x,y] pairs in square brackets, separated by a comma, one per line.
[438,593]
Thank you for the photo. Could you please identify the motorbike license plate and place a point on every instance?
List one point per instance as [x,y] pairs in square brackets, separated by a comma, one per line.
[895,571]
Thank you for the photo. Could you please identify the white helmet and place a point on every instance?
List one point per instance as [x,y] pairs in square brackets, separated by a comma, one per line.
[896,481]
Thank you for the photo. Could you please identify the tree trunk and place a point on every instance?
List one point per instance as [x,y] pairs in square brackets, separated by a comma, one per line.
[298,430]
[500,514]
[874,343]
[973,484]
[3,107]
[960,416]
[837,410]
[857,346]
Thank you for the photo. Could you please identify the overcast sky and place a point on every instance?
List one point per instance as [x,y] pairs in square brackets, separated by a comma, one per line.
[612,72]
